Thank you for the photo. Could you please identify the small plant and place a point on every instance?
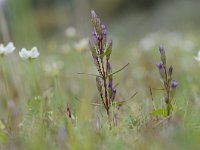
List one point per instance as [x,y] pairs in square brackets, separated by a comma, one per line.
[101,51]
[169,85]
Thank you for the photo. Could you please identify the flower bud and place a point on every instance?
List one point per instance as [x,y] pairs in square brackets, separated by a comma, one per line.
[170,70]
[104,34]
[162,54]
[109,47]
[93,17]
[173,85]
[114,91]
[95,38]
[109,68]
[161,69]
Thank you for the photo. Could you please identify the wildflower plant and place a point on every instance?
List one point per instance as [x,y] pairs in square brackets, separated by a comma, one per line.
[169,85]
[5,50]
[101,51]
[30,55]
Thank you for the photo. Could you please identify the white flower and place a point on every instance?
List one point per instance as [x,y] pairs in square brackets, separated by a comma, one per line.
[5,50]
[82,45]
[197,58]
[70,32]
[29,54]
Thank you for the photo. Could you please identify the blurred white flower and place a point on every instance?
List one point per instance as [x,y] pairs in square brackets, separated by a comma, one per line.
[5,50]
[82,45]
[70,32]
[29,54]
[53,68]
[197,58]
[150,41]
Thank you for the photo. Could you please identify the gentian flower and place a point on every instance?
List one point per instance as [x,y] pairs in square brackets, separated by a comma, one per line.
[174,84]
[161,69]
[29,54]
[5,50]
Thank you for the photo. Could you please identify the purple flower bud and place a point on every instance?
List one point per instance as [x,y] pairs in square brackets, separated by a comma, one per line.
[93,14]
[114,91]
[93,17]
[95,38]
[161,49]
[109,47]
[109,68]
[98,26]
[170,71]
[174,84]
[99,84]
[162,54]
[104,34]
[161,69]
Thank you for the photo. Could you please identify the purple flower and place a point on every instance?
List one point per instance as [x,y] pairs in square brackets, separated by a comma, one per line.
[95,38]
[161,49]
[93,14]
[104,33]
[109,68]
[109,47]
[114,91]
[174,84]
[161,68]
[162,54]
[170,71]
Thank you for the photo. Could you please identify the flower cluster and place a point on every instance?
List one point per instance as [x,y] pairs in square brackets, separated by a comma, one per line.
[5,50]
[169,85]
[101,51]
[29,54]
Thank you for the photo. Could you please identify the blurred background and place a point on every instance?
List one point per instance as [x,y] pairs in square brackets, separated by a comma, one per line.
[41,20]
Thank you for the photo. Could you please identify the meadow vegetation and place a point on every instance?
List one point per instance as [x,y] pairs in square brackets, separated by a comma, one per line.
[69,97]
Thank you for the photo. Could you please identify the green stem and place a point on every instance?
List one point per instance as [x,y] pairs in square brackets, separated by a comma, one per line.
[33,77]
[4,75]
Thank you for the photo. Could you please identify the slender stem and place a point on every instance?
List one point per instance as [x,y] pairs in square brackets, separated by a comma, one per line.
[5,75]
[167,91]
[34,80]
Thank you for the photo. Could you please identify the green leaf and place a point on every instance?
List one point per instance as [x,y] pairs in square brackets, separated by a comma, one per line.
[106,53]
[3,138]
[158,112]
[117,70]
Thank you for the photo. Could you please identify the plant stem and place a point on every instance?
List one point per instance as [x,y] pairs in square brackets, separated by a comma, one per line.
[34,80]
[5,75]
